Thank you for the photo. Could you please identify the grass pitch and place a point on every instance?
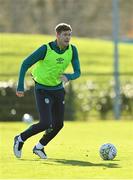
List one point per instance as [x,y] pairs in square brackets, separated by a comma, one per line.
[73,154]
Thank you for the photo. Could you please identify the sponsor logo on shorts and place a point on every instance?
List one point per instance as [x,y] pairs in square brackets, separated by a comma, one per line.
[46,100]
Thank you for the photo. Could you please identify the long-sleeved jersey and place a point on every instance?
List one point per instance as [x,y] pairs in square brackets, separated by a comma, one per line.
[40,54]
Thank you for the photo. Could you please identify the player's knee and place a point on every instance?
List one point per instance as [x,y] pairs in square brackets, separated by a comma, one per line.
[44,126]
[59,127]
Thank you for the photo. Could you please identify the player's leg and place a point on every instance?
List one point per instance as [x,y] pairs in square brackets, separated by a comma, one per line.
[44,105]
[57,120]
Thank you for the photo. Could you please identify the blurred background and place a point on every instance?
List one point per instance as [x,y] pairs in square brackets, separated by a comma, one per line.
[103,34]
[89,18]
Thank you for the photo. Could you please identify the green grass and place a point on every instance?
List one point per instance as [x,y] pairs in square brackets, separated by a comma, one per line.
[96,56]
[73,154]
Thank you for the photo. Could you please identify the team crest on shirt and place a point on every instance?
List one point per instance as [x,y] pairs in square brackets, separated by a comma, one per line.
[59,60]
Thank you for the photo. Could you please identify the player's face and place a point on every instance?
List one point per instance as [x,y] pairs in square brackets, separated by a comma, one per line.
[63,38]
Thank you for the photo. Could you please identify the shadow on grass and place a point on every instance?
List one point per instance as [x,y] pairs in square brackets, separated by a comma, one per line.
[52,161]
[84,163]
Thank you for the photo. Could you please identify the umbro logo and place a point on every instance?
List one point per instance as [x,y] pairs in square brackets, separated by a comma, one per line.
[60,60]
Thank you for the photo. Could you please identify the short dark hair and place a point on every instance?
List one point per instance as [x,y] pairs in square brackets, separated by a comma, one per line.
[63,27]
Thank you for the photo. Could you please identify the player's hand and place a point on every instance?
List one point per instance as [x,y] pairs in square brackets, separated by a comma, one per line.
[20,93]
[64,79]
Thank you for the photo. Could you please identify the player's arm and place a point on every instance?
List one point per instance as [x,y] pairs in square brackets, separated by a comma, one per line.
[75,65]
[37,55]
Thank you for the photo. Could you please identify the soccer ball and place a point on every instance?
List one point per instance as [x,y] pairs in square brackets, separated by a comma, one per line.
[108,151]
[27,118]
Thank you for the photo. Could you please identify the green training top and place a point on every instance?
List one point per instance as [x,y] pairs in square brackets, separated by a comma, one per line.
[47,71]
[39,55]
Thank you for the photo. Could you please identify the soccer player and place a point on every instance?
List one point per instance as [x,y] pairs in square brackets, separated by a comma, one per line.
[50,62]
